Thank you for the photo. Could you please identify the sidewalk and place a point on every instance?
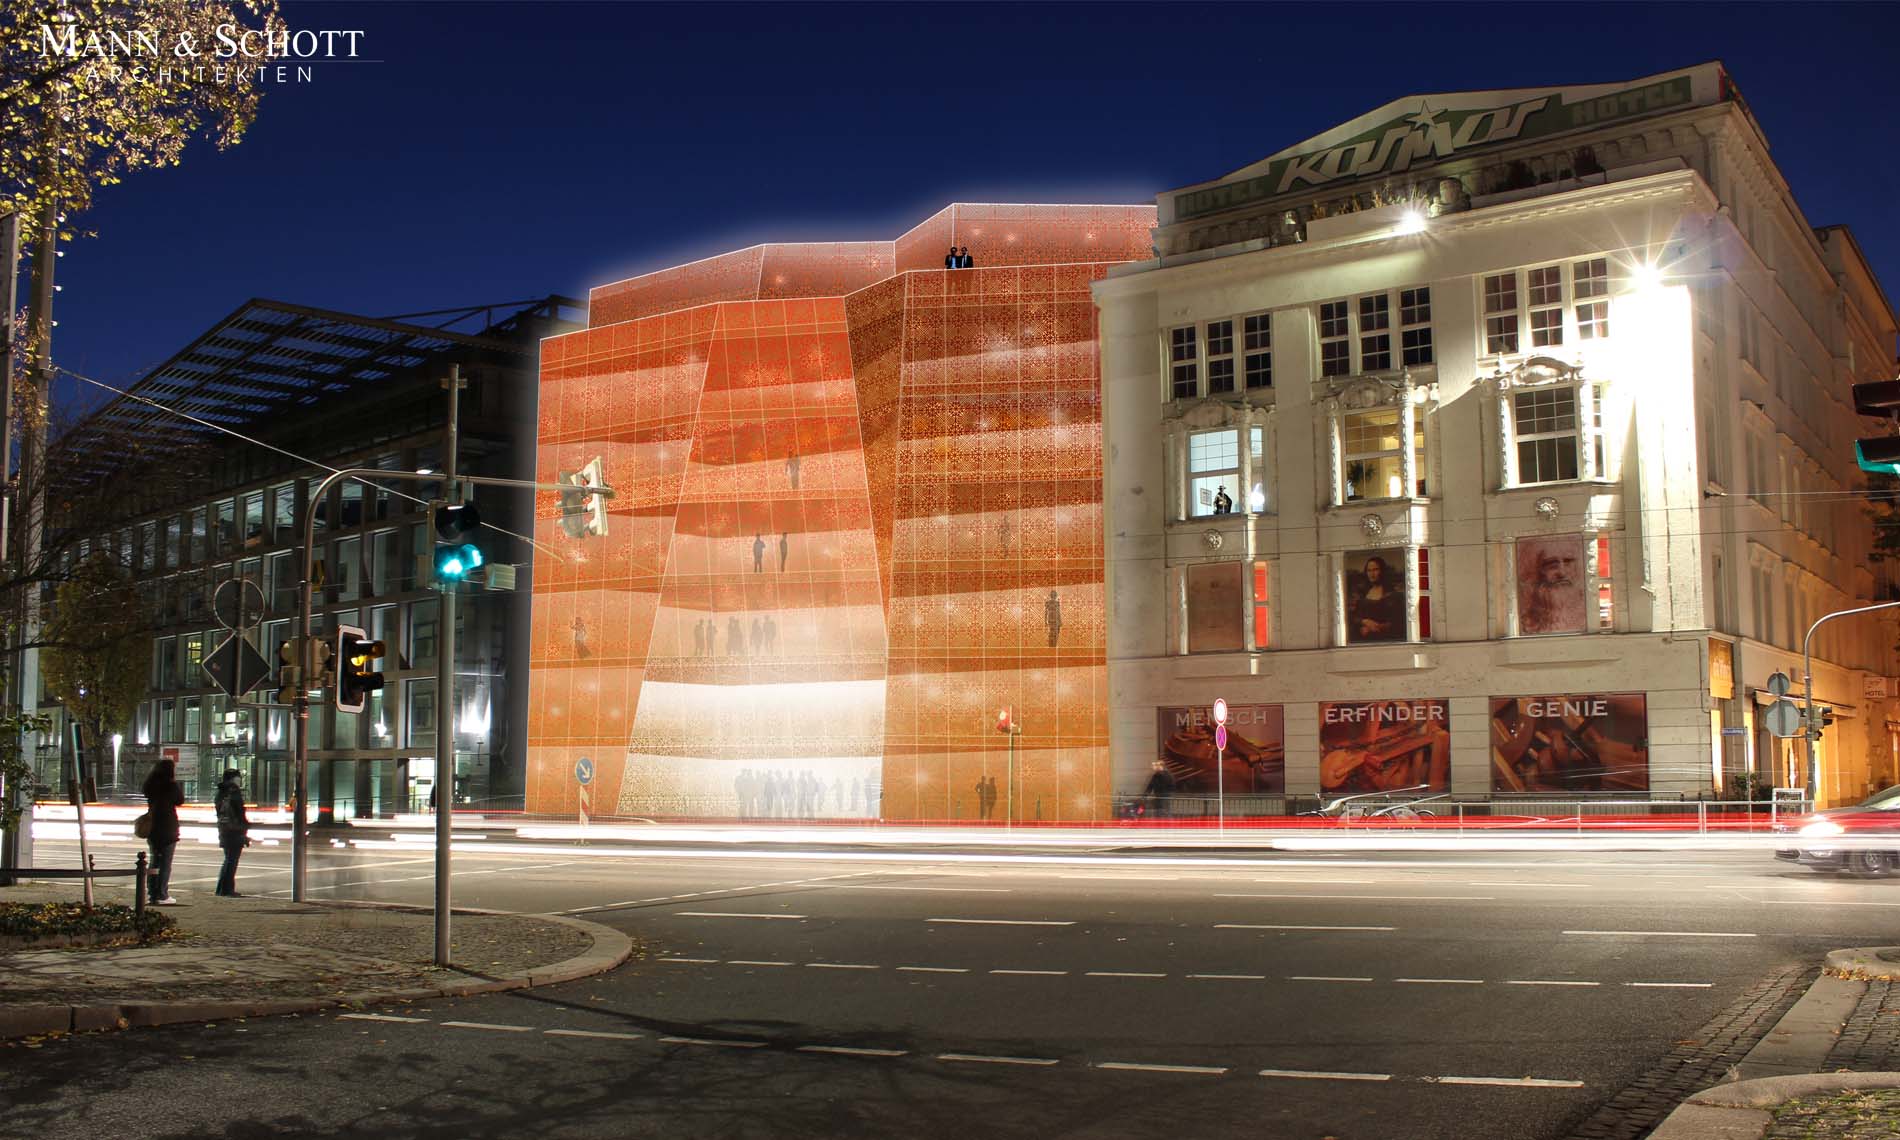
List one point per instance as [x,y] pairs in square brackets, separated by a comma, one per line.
[1829,1070]
[248,957]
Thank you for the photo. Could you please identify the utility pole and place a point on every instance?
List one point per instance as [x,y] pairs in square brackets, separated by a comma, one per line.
[13,851]
[445,687]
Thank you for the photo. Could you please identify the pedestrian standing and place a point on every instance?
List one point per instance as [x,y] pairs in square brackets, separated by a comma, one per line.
[163,794]
[234,829]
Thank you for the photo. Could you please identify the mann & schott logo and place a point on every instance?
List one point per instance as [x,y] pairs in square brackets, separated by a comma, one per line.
[230,52]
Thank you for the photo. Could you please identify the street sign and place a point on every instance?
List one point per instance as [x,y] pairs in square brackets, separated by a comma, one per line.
[237,603]
[583,771]
[1220,737]
[1736,731]
[235,667]
[1783,718]
[1220,711]
[1778,684]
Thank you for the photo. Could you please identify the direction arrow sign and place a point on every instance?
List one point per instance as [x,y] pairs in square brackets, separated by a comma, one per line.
[235,667]
[1784,719]
[583,771]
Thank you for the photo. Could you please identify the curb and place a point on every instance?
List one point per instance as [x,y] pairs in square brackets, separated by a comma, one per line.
[1743,1110]
[610,948]
[1865,963]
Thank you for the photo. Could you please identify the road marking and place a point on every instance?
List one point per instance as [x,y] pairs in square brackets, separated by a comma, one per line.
[1211,1070]
[1322,978]
[694,961]
[1316,1075]
[380,1017]
[731,914]
[1663,933]
[1120,974]
[1670,985]
[592,1033]
[1509,1082]
[1821,902]
[987,1059]
[710,1041]
[486,1025]
[1356,898]
[1232,977]
[1441,981]
[1034,973]
[1539,982]
[749,962]
[852,1051]
[952,890]
[1329,882]
[838,966]
[934,969]
[1262,926]
[1002,921]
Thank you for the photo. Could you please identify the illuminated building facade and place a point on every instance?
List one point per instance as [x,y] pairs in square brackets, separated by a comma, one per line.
[857,512]
[1499,443]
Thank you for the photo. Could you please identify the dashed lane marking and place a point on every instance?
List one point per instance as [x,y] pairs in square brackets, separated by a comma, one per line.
[734,914]
[1230,977]
[951,890]
[1210,1070]
[853,1051]
[1322,978]
[1263,926]
[1505,1082]
[987,1059]
[724,1044]
[1003,921]
[1120,974]
[934,969]
[1670,985]
[748,962]
[839,966]
[1033,973]
[488,1026]
[1319,1075]
[592,1033]
[693,961]
[381,1017]
[1546,982]
[1440,981]
[1360,898]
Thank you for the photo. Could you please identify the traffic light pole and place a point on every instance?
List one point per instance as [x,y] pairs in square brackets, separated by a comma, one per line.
[445,698]
[1812,714]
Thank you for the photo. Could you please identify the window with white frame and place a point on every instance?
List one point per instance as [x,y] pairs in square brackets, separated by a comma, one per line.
[1371,454]
[1257,345]
[1214,476]
[1184,363]
[1551,428]
[1220,357]
[1356,333]
[1546,307]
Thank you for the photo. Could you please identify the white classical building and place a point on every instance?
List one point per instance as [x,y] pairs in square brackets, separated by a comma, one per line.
[1499,443]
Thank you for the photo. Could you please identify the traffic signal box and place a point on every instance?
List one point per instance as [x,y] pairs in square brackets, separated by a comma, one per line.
[1880,454]
[456,558]
[583,512]
[354,655]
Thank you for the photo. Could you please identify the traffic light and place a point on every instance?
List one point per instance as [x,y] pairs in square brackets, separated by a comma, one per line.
[289,673]
[455,557]
[355,680]
[583,513]
[1881,454]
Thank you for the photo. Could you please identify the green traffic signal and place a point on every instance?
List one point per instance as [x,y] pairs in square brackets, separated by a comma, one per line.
[1881,455]
[454,563]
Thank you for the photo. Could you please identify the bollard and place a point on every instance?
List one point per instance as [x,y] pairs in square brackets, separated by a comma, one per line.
[138,894]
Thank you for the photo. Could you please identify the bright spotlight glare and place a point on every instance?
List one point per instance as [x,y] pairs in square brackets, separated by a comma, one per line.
[1411,222]
[1647,275]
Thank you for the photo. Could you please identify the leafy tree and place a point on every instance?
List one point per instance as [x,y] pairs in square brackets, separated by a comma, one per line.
[97,657]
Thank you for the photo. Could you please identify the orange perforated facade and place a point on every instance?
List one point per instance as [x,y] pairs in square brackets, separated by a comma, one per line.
[858,511]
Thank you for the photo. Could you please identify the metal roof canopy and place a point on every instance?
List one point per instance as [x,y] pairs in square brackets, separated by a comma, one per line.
[269,358]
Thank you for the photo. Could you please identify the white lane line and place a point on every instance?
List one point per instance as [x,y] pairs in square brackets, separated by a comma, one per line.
[839,966]
[487,1025]
[710,1041]
[1671,985]
[1264,926]
[1508,1082]
[987,1059]
[933,969]
[1663,933]
[749,962]
[1002,921]
[1317,1075]
[1440,981]
[1110,877]
[380,1017]
[1120,974]
[1034,973]
[1356,898]
[731,914]
[852,1051]
[1545,982]
[592,1033]
[1322,978]
[694,961]
[951,890]
[1231,977]
[1821,902]
[1328,882]
[1211,1070]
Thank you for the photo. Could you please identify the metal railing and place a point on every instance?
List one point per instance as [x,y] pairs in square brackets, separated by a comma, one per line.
[139,870]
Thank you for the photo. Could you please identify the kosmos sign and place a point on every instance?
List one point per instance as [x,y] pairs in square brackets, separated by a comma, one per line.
[1425,129]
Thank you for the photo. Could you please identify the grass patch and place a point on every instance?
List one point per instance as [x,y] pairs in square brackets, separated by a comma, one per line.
[40,920]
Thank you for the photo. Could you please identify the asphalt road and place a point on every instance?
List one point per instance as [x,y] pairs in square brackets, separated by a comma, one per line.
[1315,995]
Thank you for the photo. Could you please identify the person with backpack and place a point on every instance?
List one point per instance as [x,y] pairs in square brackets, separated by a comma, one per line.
[234,830]
[163,794]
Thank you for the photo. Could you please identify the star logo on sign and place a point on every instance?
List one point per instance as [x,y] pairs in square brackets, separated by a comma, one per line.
[1425,116]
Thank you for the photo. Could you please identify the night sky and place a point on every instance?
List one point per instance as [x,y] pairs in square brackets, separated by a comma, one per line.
[503,151]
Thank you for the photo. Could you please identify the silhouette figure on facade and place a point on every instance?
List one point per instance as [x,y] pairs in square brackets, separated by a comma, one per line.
[758,554]
[1052,617]
[580,638]
[758,638]
[1223,502]
[784,550]
[982,791]
[989,790]
[791,469]
[1004,532]
[699,638]
[951,260]
[712,637]
[771,635]
[735,638]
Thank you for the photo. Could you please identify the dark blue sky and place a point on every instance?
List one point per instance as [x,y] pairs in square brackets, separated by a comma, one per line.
[503,151]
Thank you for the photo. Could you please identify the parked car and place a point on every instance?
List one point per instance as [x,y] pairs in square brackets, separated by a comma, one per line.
[1863,839]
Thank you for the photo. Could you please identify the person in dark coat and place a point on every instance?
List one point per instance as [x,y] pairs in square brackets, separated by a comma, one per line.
[1160,790]
[234,829]
[163,794]
[951,260]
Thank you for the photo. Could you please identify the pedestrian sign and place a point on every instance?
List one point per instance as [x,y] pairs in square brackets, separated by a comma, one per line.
[583,771]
